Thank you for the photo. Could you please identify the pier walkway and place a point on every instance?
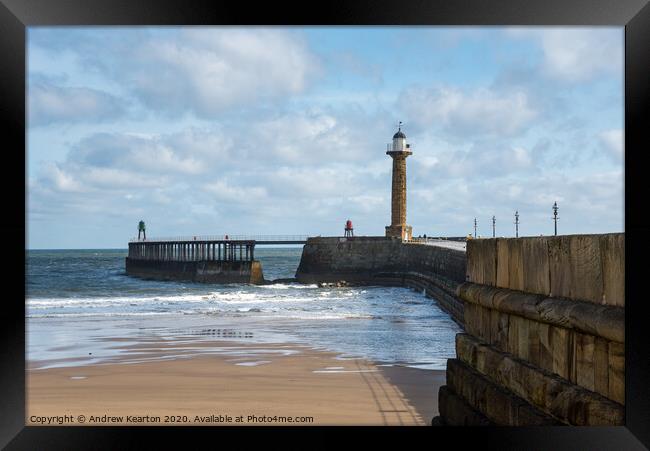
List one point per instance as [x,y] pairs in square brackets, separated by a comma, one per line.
[206,248]
[456,243]
[258,239]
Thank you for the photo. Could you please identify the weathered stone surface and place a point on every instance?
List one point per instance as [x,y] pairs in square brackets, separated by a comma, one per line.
[604,321]
[257,276]
[576,269]
[587,268]
[483,257]
[465,349]
[518,303]
[497,404]
[569,353]
[580,267]
[503,256]
[473,273]
[197,271]
[457,412]
[545,347]
[601,366]
[562,351]
[612,247]
[617,372]
[586,317]
[468,290]
[472,319]
[495,333]
[504,327]
[503,269]
[513,334]
[486,324]
[571,357]
[515,265]
[533,343]
[559,249]
[486,295]
[523,337]
[553,395]
[585,371]
[536,272]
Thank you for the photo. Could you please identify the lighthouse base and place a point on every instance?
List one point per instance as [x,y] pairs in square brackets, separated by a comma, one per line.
[405,232]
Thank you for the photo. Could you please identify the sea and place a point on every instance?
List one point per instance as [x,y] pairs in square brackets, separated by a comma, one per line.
[82,308]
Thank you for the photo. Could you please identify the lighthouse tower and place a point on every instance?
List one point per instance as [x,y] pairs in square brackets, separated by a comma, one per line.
[399,150]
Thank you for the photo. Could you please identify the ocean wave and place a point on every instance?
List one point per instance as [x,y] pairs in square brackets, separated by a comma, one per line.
[219,297]
[112,300]
[259,313]
[286,286]
[102,315]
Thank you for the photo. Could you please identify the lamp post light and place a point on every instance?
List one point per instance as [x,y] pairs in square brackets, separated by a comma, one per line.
[475,236]
[517,224]
[494,222]
[555,218]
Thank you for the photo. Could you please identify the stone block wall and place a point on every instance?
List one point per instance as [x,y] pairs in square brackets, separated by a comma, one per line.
[588,268]
[362,260]
[544,325]
[197,271]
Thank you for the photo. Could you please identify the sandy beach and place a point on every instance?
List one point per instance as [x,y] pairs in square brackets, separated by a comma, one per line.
[231,383]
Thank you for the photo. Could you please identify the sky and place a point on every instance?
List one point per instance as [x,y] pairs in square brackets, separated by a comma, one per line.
[283,130]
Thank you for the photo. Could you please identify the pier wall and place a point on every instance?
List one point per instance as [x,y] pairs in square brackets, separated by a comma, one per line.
[437,271]
[544,334]
[245,271]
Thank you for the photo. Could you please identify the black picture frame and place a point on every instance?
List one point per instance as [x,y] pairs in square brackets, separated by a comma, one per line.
[16,15]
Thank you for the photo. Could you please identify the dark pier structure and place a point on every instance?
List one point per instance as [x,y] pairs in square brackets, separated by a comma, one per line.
[197,260]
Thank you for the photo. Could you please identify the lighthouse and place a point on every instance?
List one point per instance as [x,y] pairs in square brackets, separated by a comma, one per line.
[399,150]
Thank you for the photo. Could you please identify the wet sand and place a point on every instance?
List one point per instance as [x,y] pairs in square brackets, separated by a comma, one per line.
[238,384]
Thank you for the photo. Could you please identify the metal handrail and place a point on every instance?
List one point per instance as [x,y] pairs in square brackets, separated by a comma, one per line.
[433,239]
[222,238]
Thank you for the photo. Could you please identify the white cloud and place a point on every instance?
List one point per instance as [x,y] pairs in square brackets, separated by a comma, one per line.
[302,138]
[208,70]
[613,143]
[115,179]
[200,70]
[56,104]
[577,54]
[469,113]
[129,152]
[484,159]
[224,191]
[52,175]
[326,181]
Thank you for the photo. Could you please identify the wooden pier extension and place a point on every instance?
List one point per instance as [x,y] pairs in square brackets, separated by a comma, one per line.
[198,260]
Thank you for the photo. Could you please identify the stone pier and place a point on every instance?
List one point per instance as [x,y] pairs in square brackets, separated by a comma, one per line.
[437,271]
[544,334]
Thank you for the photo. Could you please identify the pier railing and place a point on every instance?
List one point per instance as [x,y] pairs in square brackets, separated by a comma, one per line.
[224,237]
[183,250]
[431,239]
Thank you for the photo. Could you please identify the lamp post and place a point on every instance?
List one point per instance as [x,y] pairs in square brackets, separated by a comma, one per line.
[475,236]
[494,222]
[555,218]
[517,224]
